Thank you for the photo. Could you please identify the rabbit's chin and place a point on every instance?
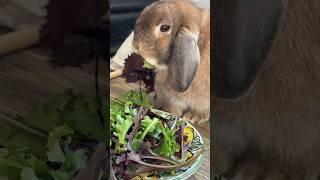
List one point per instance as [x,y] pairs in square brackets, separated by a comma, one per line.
[156,64]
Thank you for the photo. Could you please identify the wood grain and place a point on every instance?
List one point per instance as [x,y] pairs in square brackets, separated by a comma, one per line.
[28,77]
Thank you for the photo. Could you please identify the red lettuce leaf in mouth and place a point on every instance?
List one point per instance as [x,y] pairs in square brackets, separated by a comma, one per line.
[134,71]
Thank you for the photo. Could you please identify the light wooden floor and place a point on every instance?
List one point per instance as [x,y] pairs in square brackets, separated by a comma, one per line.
[119,86]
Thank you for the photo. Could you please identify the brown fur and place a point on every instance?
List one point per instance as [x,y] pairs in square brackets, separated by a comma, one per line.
[273,132]
[195,102]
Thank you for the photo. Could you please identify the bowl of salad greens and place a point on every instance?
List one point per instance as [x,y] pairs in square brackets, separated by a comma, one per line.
[151,144]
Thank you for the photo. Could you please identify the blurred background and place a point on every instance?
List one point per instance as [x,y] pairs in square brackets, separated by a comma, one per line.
[53,78]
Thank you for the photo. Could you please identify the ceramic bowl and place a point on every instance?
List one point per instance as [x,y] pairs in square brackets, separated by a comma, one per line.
[196,145]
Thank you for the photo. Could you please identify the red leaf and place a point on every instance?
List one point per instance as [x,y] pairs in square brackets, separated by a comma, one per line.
[134,71]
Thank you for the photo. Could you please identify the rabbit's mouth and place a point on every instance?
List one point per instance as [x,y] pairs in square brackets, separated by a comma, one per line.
[155,63]
[149,56]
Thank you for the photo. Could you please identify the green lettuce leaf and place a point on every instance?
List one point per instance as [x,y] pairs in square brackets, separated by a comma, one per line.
[137,98]
[169,146]
[122,126]
[154,129]
[55,153]
[147,65]
[75,161]
[151,126]
[27,173]
[59,175]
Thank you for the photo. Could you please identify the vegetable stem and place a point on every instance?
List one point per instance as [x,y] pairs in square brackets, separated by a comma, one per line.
[169,167]
[148,128]
[159,158]
[137,122]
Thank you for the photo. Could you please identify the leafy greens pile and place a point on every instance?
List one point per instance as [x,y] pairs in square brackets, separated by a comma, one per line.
[142,142]
[62,133]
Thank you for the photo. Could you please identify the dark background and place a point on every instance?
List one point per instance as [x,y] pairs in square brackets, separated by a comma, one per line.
[123,14]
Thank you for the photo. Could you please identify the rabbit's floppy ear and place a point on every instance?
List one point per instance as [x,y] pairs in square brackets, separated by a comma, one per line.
[183,60]
[243,32]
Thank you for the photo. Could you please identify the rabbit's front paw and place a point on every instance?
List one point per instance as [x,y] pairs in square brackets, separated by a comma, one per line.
[195,117]
[174,109]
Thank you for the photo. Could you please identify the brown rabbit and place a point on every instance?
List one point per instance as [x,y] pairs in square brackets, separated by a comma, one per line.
[266,87]
[174,36]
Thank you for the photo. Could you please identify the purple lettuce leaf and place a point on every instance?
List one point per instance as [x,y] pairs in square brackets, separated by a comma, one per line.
[134,71]
[180,140]
[136,125]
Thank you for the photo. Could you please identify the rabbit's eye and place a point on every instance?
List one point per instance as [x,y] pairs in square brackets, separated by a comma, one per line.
[164,28]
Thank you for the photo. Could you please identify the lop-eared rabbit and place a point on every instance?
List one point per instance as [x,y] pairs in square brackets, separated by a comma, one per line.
[174,36]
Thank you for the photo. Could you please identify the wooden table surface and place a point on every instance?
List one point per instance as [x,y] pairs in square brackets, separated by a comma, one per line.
[28,77]
[119,86]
